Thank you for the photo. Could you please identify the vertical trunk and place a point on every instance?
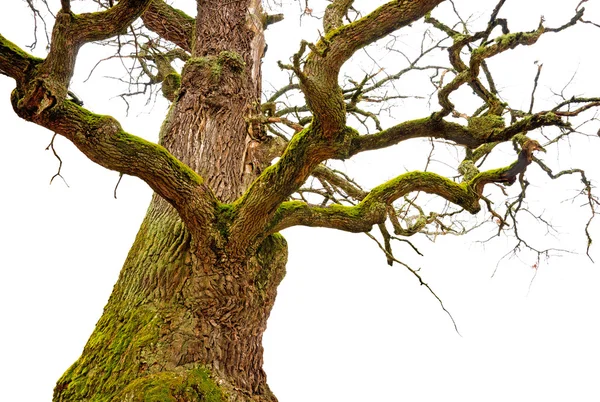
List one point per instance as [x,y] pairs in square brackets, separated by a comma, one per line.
[180,324]
[185,320]
[211,124]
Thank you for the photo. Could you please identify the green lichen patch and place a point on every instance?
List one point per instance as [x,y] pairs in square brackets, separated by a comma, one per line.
[118,343]
[482,126]
[184,385]
[213,67]
[271,258]
[231,60]
[170,85]
[225,216]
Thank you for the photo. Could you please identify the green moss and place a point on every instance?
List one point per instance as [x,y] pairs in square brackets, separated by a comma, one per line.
[490,175]
[170,85]
[271,258]
[134,146]
[117,341]
[225,215]
[188,385]
[468,169]
[8,47]
[213,67]
[202,66]
[482,126]
[432,183]
[290,206]
[511,39]
[336,209]
[232,60]
[183,15]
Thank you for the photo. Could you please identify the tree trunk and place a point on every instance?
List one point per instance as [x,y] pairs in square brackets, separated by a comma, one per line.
[180,322]
[185,319]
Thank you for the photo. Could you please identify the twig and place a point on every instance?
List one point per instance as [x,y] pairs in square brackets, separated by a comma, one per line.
[416,274]
[60,163]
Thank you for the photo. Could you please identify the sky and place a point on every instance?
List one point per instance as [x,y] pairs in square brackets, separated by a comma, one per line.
[346,326]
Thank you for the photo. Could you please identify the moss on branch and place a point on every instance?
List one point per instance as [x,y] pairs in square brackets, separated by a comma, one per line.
[102,139]
[372,209]
[14,61]
[102,25]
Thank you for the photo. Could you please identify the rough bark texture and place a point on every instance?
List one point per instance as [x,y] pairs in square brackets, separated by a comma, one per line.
[211,126]
[177,313]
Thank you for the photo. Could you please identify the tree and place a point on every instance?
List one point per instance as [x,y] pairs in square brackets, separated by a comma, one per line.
[187,315]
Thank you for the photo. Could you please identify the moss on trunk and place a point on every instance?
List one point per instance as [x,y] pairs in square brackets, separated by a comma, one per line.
[184,322]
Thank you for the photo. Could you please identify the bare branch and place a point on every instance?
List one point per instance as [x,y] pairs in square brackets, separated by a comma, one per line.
[60,162]
[419,277]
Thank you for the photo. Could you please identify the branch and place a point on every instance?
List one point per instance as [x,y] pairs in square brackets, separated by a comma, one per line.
[319,79]
[470,74]
[472,136]
[170,23]
[71,31]
[334,14]
[420,128]
[342,43]
[373,208]
[102,140]
[89,27]
[14,62]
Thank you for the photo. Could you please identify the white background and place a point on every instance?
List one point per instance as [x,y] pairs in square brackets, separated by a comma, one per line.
[346,327]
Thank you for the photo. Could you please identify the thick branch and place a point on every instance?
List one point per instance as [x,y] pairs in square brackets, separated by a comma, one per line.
[170,23]
[334,14]
[71,31]
[14,62]
[255,209]
[420,128]
[319,79]
[463,135]
[373,209]
[89,27]
[102,140]
[342,43]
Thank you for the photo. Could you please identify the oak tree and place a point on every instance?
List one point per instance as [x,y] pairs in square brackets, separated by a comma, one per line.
[237,163]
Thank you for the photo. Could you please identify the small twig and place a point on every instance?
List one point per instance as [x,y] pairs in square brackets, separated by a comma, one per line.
[421,282]
[60,163]
[117,185]
[535,84]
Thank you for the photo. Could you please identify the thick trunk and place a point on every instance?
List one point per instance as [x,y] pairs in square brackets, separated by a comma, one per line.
[185,319]
[211,124]
[180,323]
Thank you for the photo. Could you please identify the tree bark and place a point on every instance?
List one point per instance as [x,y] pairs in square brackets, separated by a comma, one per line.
[182,321]
[186,318]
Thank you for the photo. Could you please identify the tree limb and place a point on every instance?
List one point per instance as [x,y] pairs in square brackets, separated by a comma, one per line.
[170,23]
[102,140]
[89,27]
[319,78]
[14,62]
[470,137]
[373,208]
[334,14]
